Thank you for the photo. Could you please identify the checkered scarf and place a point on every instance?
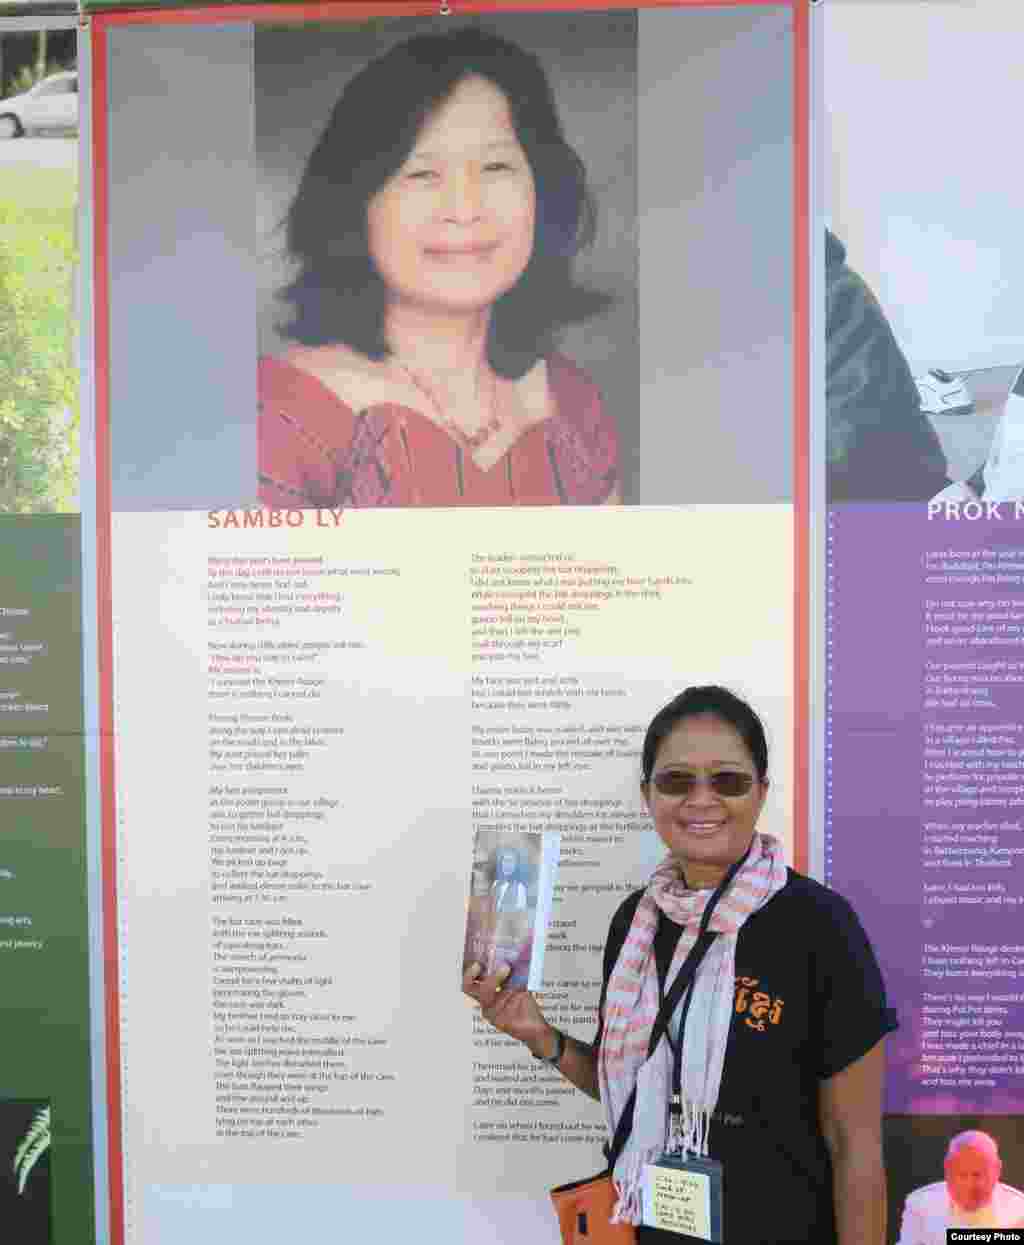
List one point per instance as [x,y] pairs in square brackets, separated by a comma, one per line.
[632,1002]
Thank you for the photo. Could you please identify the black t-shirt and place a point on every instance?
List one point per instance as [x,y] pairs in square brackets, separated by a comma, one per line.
[809,1000]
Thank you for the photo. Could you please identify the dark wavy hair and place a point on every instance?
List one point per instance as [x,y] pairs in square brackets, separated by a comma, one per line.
[338,296]
[720,703]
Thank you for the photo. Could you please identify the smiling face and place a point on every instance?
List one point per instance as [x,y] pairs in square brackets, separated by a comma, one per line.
[704,832]
[452,229]
[971,1175]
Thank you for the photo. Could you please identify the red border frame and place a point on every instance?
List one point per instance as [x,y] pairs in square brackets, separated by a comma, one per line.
[801,424]
[105,639]
[347,10]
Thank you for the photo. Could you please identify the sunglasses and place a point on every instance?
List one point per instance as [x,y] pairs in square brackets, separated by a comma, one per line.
[728,783]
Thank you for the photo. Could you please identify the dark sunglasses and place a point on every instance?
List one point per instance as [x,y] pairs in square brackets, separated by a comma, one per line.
[728,783]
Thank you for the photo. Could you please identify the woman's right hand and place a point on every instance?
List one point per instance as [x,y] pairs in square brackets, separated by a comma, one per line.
[513,1012]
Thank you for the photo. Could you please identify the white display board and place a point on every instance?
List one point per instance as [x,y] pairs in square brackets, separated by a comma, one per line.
[315,705]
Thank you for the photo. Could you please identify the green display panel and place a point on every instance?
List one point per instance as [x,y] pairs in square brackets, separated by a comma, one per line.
[46,1182]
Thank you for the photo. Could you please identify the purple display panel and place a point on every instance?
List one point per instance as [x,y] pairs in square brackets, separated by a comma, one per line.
[925,787]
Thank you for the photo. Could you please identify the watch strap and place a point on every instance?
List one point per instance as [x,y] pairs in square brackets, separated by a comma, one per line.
[560,1045]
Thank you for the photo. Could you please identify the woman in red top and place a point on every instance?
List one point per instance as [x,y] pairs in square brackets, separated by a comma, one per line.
[435,228]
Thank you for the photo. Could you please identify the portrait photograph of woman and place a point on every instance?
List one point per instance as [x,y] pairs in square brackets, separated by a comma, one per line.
[531,258]
[432,243]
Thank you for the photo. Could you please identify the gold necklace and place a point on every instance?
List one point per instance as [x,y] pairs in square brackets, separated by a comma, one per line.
[468,440]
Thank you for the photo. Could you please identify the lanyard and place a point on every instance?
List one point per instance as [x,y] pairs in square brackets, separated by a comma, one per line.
[669,1003]
[687,974]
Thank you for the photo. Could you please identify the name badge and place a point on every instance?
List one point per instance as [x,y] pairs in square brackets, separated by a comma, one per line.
[684,1196]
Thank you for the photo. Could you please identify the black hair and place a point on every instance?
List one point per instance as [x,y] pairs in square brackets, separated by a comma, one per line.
[719,702]
[338,296]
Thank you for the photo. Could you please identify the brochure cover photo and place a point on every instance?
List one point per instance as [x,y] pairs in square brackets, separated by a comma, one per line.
[512,884]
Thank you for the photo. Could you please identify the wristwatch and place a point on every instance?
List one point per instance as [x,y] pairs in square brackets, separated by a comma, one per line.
[556,1058]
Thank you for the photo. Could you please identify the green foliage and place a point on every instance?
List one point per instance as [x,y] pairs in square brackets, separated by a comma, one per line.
[38,378]
[32,1146]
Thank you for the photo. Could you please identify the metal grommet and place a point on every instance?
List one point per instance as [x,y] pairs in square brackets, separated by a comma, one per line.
[445,9]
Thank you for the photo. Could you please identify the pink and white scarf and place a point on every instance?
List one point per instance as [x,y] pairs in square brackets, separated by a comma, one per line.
[631,1008]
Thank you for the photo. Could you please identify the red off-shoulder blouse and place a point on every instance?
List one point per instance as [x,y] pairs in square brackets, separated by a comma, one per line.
[315,450]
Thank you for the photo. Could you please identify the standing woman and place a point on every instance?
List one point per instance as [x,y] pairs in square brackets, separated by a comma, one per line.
[783,1046]
[435,229]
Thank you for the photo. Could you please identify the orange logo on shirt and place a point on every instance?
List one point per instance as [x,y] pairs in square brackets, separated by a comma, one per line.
[757,1007]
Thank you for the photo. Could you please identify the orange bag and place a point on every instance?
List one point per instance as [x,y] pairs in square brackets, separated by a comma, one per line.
[584,1211]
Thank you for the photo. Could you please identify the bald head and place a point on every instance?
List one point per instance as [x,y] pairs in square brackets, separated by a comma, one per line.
[973,1169]
[977,1140]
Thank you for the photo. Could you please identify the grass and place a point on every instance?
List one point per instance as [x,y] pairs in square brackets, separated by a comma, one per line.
[37,232]
[38,372]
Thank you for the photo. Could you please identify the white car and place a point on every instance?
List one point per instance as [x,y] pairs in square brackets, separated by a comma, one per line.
[50,106]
